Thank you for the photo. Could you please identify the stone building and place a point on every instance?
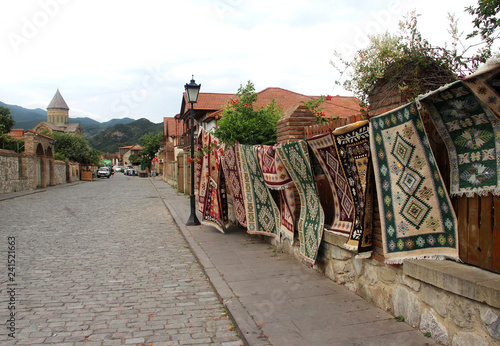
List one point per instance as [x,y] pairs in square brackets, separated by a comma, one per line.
[58,118]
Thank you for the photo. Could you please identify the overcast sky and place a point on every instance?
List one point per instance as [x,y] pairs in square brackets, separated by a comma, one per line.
[124,58]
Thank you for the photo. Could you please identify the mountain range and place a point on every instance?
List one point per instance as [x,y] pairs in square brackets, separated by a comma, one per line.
[106,136]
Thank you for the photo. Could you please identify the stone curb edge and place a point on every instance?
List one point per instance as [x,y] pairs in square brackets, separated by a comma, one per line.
[247,328]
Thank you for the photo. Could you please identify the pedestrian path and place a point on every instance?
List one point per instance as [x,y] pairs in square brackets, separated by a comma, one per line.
[275,299]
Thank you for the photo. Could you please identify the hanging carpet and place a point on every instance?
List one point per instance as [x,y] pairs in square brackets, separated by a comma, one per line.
[486,85]
[202,170]
[311,221]
[416,215]
[471,133]
[212,197]
[325,151]
[353,147]
[262,214]
[231,170]
[277,178]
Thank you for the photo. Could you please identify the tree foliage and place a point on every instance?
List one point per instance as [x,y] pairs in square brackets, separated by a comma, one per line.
[151,144]
[244,123]
[409,57]
[487,21]
[6,124]
[74,148]
[6,120]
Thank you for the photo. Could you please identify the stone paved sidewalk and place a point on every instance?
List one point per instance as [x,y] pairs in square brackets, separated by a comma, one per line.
[103,263]
[274,298]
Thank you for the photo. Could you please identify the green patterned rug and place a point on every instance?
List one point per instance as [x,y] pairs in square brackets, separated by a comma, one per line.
[262,214]
[416,214]
[486,85]
[312,219]
[471,133]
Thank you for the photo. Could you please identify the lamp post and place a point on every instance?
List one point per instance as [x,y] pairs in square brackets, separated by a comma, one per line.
[192,91]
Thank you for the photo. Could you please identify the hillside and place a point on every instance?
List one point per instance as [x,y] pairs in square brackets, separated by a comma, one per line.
[27,119]
[92,127]
[120,135]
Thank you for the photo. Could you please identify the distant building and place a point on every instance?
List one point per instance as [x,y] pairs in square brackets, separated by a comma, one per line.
[58,118]
[125,152]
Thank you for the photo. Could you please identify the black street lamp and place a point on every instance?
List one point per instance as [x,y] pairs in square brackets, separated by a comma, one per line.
[192,91]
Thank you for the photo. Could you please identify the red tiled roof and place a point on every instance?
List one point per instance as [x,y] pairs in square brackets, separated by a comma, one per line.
[16,133]
[337,106]
[208,101]
[170,127]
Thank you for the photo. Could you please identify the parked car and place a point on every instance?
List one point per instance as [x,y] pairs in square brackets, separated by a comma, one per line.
[104,172]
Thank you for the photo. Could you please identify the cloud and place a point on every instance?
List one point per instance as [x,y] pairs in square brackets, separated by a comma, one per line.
[128,58]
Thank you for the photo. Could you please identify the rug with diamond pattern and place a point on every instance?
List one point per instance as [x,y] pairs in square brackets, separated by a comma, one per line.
[276,177]
[231,170]
[310,225]
[353,146]
[325,151]
[471,133]
[262,214]
[416,214]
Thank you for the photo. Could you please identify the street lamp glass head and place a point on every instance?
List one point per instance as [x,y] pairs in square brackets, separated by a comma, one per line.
[192,91]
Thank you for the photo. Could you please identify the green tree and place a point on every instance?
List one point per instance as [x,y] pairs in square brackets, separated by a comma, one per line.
[74,148]
[412,60]
[134,158]
[6,124]
[151,144]
[6,120]
[244,123]
[487,21]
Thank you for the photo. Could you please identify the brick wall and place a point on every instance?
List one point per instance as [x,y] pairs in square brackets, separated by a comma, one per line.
[291,125]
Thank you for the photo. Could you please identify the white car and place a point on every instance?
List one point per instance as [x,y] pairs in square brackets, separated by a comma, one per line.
[104,172]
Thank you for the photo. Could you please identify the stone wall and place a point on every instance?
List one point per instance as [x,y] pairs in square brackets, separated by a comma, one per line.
[59,172]
[73,172]
[16,172]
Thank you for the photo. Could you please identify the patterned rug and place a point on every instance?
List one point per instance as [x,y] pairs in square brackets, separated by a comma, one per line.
[262,214]
[202,170]
[353,148]
[233,178]
[277,178]
[325,151]
[471,133]
[311,221]
[211,186]
[416,215]
[486,85]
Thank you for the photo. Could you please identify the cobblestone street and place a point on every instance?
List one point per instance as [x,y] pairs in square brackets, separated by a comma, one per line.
[103,263]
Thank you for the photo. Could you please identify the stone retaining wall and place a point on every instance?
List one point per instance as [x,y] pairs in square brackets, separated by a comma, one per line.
[16,172]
